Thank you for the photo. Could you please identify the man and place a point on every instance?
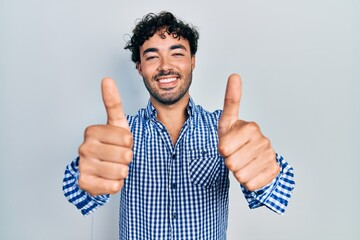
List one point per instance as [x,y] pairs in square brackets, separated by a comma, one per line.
[171,161]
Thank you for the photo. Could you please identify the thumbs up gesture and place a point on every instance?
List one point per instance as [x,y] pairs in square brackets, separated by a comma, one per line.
[247,152]
[107,149]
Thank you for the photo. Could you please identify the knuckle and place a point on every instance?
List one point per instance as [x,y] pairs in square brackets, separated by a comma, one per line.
[92,131]
[267,142]
[223,150]
[240,176]
[270,155]
[88,148]
[128,156]
[87,169]
[82,166]
[251,186]
[124,171]
[82,182]
[253,126]
[273,155]
[230,164]
[128,139]
[115,187]
[82,150]
[89,131]
[276,170]
[230,100]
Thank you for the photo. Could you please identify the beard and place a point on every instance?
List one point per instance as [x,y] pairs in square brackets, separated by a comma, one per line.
[169,98]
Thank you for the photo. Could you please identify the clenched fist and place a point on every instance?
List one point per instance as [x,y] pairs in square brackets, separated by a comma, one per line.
[107,149]
[247,152]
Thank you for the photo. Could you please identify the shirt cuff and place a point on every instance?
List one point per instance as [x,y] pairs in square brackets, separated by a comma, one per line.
[276,194]
[75,195]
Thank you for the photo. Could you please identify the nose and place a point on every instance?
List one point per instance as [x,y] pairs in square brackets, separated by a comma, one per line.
[165,64]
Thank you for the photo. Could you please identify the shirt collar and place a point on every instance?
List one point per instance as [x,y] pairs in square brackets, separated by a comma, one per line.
[150,110]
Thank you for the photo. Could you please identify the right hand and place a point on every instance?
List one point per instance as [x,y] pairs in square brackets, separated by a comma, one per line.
[107,149]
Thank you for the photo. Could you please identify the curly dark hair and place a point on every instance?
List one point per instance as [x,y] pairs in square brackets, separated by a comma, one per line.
[165,22]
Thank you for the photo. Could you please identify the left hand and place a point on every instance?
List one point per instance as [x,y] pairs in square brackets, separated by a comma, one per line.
[247,152]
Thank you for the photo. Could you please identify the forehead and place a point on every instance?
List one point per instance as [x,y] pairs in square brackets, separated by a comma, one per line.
[164,42]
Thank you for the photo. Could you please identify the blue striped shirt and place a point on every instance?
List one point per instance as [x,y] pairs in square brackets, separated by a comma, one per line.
[177,191]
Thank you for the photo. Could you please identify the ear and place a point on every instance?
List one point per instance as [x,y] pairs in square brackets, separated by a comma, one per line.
[193,60]
[138,67]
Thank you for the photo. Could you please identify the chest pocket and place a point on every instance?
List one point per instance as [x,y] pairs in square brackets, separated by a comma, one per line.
[204,167]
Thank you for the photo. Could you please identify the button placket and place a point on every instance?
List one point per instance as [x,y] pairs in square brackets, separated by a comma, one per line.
[172,181]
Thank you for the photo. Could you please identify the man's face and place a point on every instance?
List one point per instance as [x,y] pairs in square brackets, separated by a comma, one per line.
[166,67]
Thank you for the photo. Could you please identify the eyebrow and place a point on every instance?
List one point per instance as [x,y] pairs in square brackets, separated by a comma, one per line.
[173,47]
[178,46]
[150,50]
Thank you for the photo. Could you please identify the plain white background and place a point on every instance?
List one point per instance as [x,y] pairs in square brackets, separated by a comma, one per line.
[299,61]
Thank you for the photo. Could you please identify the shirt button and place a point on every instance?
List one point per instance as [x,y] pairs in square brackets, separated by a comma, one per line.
[174,216]
[173,186]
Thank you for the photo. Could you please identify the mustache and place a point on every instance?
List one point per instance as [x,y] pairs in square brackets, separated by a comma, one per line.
[166,73]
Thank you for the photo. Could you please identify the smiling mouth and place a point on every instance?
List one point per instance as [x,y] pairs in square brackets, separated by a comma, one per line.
[167,80]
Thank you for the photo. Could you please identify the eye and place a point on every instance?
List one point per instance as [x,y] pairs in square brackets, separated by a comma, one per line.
[178,54]
[149,58]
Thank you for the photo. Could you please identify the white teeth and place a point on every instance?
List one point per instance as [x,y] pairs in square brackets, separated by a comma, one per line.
[167,80]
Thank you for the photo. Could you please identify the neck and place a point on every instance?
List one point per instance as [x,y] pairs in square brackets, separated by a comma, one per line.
[172,116]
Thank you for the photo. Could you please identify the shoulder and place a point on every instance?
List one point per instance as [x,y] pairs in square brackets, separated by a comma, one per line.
[134,120]
[205,114]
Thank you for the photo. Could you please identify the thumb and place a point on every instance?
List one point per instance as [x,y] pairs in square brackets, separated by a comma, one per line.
[113,105]
[231,104]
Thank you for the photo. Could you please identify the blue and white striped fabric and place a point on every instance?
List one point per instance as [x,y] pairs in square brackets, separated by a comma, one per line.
[177,191]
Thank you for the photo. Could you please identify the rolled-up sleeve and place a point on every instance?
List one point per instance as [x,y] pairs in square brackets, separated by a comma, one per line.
[75,195]
[275,195]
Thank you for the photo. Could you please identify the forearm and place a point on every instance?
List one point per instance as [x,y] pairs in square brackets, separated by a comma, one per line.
[75,195]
